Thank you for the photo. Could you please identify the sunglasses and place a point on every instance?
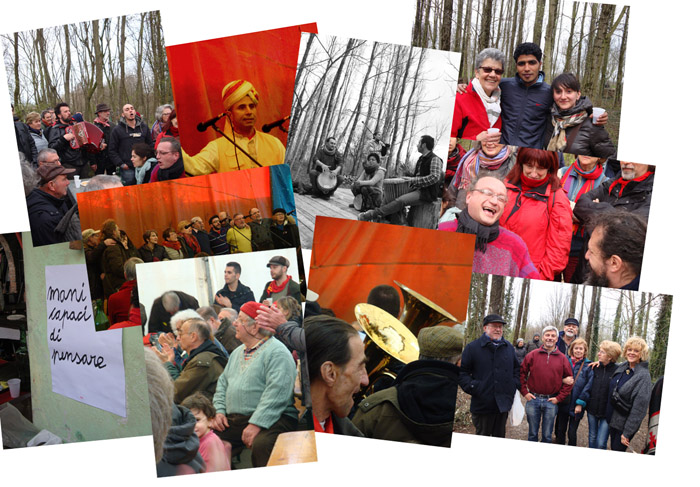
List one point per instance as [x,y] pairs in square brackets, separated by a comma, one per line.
[531,62]
[488,70]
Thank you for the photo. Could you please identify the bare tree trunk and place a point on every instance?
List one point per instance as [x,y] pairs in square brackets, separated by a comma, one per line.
[570,43]
[334,85]
[549,38]
[15,46]
[446,27]
[591,314]
[621,61]
[466,65]
[66,79]
[358,107]
[485,30]
[496,295]
[392,154]
[436,16]
[521,22]
[99,61]
[539,20]
[458,28]
[509,48]
[426,24]
[579,70]
[572,301]
[417,24]
[122,53]
[586,72]
[616,321]
[583,296]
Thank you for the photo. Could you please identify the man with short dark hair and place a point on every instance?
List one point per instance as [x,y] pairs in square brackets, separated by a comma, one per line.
[234,293]
[60,140]
[254,397]
[122,138]
[425,183]
[326,159]
[419,407]
[490,373]
[542,375]
[170,165]
[48,118]
[217,237]
[281,284]
[48,205]
[201,235]
[385,297]
[336,363]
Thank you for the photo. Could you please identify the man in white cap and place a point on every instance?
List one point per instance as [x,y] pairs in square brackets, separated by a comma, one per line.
[240,100]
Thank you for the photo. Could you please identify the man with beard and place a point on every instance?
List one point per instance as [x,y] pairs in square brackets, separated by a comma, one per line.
[170,165]
[60,141]
[328,159]
[281,285]
[217,237]
[234,293]
[424,182]
[498,250]
[616,249]
[124,135]
[101,159]
[201,236]
[419,407]
[240,100]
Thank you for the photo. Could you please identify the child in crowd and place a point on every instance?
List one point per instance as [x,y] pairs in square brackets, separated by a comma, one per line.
[217,457]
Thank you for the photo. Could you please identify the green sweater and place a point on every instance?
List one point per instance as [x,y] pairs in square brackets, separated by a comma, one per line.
[261,387]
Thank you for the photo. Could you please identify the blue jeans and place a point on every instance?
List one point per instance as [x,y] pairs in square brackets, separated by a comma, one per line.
[538,409]
[597,432]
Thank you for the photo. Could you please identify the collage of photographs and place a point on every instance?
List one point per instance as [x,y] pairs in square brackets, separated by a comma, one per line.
[373,235]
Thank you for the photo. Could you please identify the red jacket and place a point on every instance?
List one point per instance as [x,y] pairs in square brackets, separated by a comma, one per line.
[118,303]
[544,221]
[469,118]
[542,373]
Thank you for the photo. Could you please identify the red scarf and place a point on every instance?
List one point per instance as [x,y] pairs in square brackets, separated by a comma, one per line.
[590,178]
[529,183]
[623,183]
[273,288]
[319,429]
[172,245]
[97,120]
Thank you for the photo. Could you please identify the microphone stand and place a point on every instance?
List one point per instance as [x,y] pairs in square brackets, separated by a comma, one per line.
[217,129]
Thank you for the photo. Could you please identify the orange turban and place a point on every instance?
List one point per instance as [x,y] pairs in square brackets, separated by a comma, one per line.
[236,90]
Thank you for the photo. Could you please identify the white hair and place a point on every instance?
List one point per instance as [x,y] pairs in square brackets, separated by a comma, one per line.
[185,314]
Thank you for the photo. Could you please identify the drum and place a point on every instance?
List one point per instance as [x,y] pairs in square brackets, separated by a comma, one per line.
[327,181]
[395,187]
[357,202]
[86,135]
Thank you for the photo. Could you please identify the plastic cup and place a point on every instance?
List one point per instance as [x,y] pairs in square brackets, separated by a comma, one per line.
[492,131]
[14,387]
[597,112]
[76,180]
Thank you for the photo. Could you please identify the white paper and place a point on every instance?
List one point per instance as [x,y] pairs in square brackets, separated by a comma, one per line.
[86,365]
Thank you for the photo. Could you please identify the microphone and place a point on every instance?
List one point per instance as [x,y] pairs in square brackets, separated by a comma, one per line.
[269,126]
[203,126]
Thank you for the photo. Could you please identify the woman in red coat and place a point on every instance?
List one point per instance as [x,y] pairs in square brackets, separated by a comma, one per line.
[539,211]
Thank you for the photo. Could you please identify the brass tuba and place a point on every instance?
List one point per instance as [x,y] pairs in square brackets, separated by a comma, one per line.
[420,312]
[386,337]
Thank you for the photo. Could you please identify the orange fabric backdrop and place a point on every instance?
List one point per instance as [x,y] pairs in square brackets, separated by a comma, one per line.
[200,70]
[160,205]
[349,258]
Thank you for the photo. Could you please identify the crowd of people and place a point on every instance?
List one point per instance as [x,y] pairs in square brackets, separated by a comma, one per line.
[559,384]
[534,217]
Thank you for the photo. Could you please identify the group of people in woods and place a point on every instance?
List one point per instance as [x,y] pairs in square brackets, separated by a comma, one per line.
[559,383]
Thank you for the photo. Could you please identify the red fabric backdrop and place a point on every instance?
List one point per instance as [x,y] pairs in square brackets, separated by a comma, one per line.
[200,70]
[160,205]
[349,258]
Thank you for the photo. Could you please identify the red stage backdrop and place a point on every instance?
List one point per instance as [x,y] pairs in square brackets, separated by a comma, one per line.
[200,70]
[160,205]
[349,258]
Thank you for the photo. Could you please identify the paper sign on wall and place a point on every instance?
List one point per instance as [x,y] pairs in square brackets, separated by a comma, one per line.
[86,365]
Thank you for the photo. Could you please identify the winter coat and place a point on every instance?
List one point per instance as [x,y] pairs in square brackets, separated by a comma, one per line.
[122,138]
[585,139]
[239,297]
[113,259]
[544,221]
[39,141]
[636,391]
[520,354]
[156,255]
[490,373]
[203,239]
[598,399]
[226,335]
[283,237]
[201,372]
[159,320]
[469,118]
[635,197]
[25,142]
[419,408]
[68,155]
[181,447]
[533,345]
[524,110]
[45,213]
[261,235]
[581,390]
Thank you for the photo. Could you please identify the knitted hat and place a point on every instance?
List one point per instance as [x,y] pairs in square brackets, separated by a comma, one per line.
[251,308]
[279,260]
[49,172]
[236,90]
[440,341]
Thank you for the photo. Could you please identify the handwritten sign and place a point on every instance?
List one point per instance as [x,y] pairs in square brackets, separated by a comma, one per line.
[86,365]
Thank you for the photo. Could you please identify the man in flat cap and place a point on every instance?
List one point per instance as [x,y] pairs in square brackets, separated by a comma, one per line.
[490,373]
[420,406]
[240,100]
[281,284]
[48,204]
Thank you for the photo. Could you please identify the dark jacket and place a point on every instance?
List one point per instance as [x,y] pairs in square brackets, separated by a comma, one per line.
[203,239]
[520,353]
[160,319]
[261,235]
[490,373]
[524,111]
[598,400]
[585,139]
[181,446]
[93,259]
[68,155]
[284,236]
[636,391]
[561,344]
[636,197]
[201,372]
[428,193]
[113,259]
[533,345]
[45,213]
[218,243]
[239,297]
[292,335]
[581,390]
[123,138]
[25,142]
[156,255]
[226,334]
[419,408]
[102,157]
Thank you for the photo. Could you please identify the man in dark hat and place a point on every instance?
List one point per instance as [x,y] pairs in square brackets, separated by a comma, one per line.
[420,406]
[285,234]
[567,335]
[490,374]
[48,204]
[281,284]
[101,159]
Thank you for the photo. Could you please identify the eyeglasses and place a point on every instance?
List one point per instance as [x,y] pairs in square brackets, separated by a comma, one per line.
[487,70]
[531,62]
[163,152]
[490,194]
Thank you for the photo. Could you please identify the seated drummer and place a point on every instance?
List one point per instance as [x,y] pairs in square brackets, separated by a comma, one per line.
[424,183]
[326,158]
[370,183]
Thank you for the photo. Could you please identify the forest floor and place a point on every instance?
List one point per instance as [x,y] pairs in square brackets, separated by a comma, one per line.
[463,424]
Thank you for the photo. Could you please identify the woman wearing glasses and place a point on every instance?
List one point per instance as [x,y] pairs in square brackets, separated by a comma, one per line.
[571,128]
[538,210]
[479,108]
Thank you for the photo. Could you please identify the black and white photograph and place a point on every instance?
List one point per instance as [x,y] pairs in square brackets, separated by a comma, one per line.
[369,132]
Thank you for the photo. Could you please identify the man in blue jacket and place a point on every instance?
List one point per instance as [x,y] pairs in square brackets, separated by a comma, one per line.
[490,374]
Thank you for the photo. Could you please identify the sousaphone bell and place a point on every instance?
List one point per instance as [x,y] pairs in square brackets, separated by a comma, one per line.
[420,312]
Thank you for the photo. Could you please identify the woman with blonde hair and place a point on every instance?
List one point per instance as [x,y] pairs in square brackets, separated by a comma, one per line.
[629,393]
